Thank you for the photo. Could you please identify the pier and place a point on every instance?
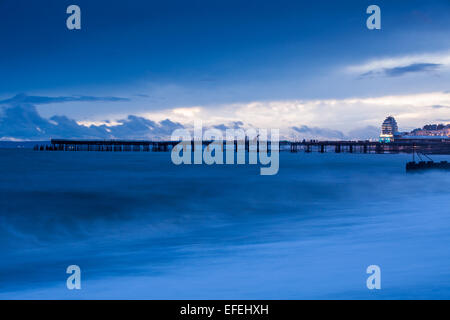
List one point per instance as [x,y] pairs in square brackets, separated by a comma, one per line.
[366,146]
[428,147]
[133,145]
[106,145]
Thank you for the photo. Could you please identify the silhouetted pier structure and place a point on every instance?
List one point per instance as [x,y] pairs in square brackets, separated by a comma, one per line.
[106,145]
[427,147]
[134,145]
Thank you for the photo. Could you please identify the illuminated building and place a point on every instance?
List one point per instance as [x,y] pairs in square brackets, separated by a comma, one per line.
[389,130]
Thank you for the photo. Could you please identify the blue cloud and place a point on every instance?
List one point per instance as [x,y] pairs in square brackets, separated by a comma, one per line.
[232,125]
[319,133]
[23,98]
[415,67]
[22,121]
[437,106]
[400,71]
[365,133]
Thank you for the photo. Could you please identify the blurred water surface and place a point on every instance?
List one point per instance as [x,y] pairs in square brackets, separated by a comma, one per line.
[142,228]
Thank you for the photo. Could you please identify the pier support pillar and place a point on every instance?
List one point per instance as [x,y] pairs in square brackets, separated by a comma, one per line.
[338,148]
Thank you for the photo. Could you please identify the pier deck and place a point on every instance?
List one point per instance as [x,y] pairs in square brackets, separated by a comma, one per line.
[427,147]
[364,146]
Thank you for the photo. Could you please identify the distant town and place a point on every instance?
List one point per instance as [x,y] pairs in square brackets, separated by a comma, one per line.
[390,132]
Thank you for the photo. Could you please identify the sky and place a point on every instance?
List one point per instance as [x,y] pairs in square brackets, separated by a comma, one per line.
[143,68]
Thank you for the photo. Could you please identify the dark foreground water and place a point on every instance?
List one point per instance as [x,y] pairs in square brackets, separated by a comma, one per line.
[141,227]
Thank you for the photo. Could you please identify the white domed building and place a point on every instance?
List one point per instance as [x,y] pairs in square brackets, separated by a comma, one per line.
[389,129]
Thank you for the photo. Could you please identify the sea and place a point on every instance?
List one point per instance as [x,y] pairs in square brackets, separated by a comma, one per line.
[140,227]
